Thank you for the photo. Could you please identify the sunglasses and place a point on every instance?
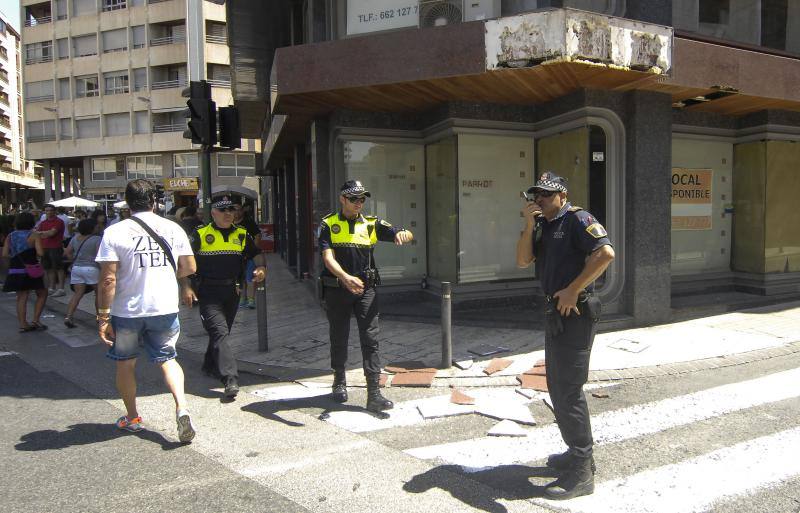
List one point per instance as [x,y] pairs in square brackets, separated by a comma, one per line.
[531,194]
[356,199]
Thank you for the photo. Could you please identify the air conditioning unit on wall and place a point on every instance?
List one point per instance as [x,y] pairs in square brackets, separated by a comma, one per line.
[436,13]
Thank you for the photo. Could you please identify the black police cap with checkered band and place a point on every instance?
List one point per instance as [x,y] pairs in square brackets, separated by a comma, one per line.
[354,188]
[549,182]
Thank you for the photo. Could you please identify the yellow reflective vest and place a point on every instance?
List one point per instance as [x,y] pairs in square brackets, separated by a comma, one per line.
[213,243]
[364,233]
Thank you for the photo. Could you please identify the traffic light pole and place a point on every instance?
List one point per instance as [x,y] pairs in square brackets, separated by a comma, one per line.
[205,177]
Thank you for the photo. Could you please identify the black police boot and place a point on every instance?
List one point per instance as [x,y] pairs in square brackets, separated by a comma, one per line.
[231,387]
[339,393]
[564,460]
[375,401]
[577,480]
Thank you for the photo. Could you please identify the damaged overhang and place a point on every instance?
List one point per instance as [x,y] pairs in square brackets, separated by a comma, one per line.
[567,35]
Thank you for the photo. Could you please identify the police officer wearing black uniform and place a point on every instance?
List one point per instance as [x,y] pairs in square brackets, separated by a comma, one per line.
[346,240]
[221,249]
[571,250]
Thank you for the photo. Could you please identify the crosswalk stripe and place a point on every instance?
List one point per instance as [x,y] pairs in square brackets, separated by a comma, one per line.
[695,484]
[619,425]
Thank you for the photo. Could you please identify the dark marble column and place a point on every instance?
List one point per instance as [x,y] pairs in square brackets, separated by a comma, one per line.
[321,182]
[648,127]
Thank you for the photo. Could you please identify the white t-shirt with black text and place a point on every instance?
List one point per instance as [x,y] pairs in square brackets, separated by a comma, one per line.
[146,284]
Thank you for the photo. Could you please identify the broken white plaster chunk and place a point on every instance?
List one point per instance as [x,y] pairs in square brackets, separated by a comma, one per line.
[442,407]
[506,410]
[528,393]
[463,364]
[507,428]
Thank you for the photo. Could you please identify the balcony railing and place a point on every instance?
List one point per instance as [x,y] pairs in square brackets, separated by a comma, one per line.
[39,60]
[160,129]
[168,84]
[220,40]
[112,50]
[32,22]
[43,98]
[156,1]
[114,6]
[219,83]
[41,138]
[6,147]
[161,41]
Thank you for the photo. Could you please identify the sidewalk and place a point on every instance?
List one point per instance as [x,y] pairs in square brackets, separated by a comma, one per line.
[299,348]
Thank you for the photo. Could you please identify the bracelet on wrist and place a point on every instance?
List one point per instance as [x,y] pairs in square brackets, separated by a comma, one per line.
[105,311]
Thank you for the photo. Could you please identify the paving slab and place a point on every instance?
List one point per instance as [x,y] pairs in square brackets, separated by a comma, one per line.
[507,428]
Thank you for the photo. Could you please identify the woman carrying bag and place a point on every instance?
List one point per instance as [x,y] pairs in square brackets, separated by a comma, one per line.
[25,272]
[83,279]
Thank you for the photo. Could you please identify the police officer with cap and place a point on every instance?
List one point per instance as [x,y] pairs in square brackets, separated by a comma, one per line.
[346,240]
[221,249]
[571,250]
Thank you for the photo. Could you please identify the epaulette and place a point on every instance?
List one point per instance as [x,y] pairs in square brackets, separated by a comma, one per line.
[371,218]
[329,215]
[575,209]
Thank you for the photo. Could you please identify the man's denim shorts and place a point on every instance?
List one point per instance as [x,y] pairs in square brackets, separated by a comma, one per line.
[158,334]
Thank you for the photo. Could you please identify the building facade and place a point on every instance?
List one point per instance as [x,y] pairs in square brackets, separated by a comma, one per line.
[658,112]
[18,181]
[103,80]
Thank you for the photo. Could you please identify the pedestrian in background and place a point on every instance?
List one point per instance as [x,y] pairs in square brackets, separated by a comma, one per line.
[189,221]
[24,247]
[101,221]
[571,250]
[221,249]
[138,300]
[240,218]
[82,250]
[51,231]
[346,240]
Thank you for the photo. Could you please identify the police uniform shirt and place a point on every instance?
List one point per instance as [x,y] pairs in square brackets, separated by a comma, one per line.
[354,260]
[562,245]
[223,266]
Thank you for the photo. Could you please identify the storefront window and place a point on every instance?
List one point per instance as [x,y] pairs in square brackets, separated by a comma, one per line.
[394,174]
[492,173]
[442,210]
[701,194]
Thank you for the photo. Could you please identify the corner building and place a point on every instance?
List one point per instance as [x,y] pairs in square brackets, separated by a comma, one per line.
[676,123]
[103,82]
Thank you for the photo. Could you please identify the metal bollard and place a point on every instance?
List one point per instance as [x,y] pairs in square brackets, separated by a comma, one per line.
[261,315]
[447,338]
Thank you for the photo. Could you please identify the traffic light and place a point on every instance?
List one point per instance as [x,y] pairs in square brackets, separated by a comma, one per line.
[230,135]
[202,114]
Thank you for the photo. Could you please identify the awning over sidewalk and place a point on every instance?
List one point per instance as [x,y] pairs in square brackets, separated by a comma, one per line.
[527,59]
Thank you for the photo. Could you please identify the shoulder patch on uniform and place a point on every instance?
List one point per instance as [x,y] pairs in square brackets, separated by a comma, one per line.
[336,228]
[385,223]
[209,239]
[596,230]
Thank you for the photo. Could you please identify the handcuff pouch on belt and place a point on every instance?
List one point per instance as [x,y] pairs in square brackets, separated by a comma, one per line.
[553,320]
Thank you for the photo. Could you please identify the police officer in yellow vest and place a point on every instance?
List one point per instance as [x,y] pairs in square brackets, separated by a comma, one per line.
[346,241]
[221,249]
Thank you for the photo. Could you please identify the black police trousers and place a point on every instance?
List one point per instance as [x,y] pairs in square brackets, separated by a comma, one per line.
[218,305]
[567,363]
[340,304]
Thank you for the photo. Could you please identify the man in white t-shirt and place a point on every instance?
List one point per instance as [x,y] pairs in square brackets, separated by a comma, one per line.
[137,299]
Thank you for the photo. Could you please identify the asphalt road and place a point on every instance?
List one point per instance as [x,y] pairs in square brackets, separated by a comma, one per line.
[719,440]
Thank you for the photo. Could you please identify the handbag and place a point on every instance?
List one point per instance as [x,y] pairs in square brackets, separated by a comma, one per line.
[34,270]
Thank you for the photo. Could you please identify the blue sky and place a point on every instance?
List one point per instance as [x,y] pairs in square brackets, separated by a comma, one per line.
[11,9]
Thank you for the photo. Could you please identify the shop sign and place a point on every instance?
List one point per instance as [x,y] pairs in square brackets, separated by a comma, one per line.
[692,200]
[180,184]
[372,15]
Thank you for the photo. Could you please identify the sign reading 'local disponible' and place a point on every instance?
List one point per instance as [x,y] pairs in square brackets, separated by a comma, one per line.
[692,200]
[372,15]
[180,184]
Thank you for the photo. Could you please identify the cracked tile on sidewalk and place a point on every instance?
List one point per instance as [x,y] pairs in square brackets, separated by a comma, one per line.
[413,379]
[496,365]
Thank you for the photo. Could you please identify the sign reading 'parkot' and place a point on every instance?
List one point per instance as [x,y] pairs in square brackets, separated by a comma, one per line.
[691,198]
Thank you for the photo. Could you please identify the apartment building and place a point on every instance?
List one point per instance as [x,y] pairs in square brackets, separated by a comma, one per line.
[676,122]
[103,82]
[18,182]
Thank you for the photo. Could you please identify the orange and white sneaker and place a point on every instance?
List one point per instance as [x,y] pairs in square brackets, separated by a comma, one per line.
[133,425]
